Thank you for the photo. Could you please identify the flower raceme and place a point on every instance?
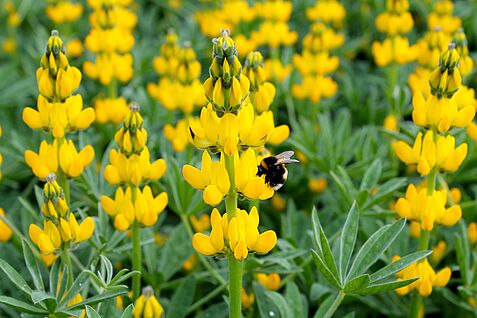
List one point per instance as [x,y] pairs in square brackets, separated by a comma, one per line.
[57,80]
[328,11]
[441,16]
[431,153]
[428,278]
[427,208]
[132,137]
[60,228]
[213,178]
[147,305]
[52,157]
[466,63]
[226,88]
[262,92]
[145,208]
[238,237]
[396,19]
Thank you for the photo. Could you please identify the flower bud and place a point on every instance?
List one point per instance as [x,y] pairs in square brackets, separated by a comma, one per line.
[147,306]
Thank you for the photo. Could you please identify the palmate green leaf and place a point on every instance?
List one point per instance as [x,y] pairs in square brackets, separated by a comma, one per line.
[323,246]
[383,287]
[54,276]
[357,283]
[348,238]
[325,271]
[91,313]
[182,298]
[371,176]
[32,265]
[374,247]
[398,265]
[15,278]
[22,306]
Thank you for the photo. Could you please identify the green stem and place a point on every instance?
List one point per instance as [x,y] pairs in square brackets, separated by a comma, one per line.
[235,266]
[65,257]
[339,298]
[112,88]
[64,184]
[136,259]
[205,299]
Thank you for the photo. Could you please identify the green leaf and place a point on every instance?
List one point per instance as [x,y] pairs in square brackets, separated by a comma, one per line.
[379,288]
[371,176]
[374,247]
[15,277]
[182,299]
[100,298]
[220,310]
[325,271]
[398,265]
[91,313]
[22,306]
[294,299]
[348,238]
[270,303]
[345,193]
[63,278]
[54,277]
[76,287]
[127,313]
[327,255]
[357,283]
[39,296]
[176,250]
[32,265]
[385,190]
[329,306]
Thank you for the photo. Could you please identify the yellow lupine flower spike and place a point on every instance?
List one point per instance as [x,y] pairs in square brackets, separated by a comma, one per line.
[147,305]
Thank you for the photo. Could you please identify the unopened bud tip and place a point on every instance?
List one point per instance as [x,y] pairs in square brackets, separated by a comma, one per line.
[51,177]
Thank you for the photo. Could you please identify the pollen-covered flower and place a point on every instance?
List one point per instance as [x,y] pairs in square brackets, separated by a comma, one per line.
[428,278]
[147,305]
[427,208]
[429,153]
[237,237]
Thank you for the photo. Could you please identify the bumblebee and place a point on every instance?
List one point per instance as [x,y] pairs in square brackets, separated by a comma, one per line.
[274,170]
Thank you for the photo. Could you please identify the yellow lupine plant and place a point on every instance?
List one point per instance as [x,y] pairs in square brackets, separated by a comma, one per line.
[433,153]
[129,169]
[441,16]
[111,40]
[228,125]
[329,11]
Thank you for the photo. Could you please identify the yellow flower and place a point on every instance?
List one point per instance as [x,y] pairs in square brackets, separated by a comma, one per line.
[274,34]
[429,154]
[391,123]
[393,23]
[190,263]
[419,82]
[108,67]
[133,170]
[322,38]
[64,11]
[214,180]
[438,251]
[472,232]
[328,11]
[59,118]
[110,110]
[309,63]
[5,231]
[444,113]
[278,202]
[277,10]
[9,45]
[76,300]
[428,278]
[317,185]
[315,88]
[455,195]
[200,224]
[395,49]
[261,92]
[441,16]
[239,236]
[147,305]
[269,281]
[178,135]
[415,229]
[428,209]
[276,70]
[429,48]
[247,299]
[74,48]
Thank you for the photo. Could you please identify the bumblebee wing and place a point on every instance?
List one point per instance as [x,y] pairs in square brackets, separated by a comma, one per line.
[285,157]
